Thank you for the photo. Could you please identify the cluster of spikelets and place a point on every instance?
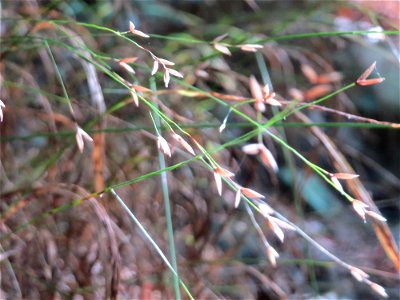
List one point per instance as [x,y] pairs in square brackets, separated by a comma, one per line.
[262,96]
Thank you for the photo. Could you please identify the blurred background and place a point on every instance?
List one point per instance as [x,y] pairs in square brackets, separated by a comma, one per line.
[54,248]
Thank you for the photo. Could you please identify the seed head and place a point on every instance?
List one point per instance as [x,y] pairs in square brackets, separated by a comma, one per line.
[251,193]
[80,136]
[363,81]
[134,31]
[183,143]
[222,49]
[268,159]
[358,274]
[250,47]
[1,111]
[272,255]
[162,144]
[380,290]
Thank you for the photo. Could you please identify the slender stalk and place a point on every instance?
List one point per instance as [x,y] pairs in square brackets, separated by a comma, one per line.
[167,206]
[60,79]
[289,159]
[150,239]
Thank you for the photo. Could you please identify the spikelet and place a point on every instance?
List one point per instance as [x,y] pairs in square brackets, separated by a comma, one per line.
[272,255]
[251,193]
[1,111]
[126,67]
[162,144]
[378,289]
[310,73]
[134,31]
[223,49]
[238,196]
[251,149]
[268,159]
[363,81]
[344,176]
[80,137]
[250,47]
[166,78]
[174,73]
[183,143]
[358,274]
[218,182]
[360,208]
[276,229]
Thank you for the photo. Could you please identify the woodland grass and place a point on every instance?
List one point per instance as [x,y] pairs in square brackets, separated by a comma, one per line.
[206,155]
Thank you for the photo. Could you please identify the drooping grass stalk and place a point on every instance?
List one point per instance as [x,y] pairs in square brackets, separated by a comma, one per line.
[279,117]
[167,206]
[289,162]
[150,239]
[273,120]
[60,79]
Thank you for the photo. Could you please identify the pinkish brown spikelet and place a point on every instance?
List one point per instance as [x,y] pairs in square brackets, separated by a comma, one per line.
[358,274]
[166,78]
[155,68]
[218,182]
[223,172]
[174,73]
[317,91]
[134,31]
[251,193]
[367,72]
[363,81]
[140,89]
[250,47]
[283,224]
[129,59]
[380,290]
[255,89]
[131,27]
[162,144]
[183,143]
[276,229]
[344,176]
[268,159]
[223,49]
[80,137]
[238,196]
[370,81]
[310,73]
[273,102]
[126,67]
[223,125]
[337,184]
[360,208]
[134,97]
[166,62]
[268,96]
[1,110]
[272,255]
[375,216]
[251,149]
[265,210]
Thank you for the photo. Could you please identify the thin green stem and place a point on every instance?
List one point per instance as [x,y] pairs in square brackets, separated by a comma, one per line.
[151,240]
[60,79]
[167,206]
